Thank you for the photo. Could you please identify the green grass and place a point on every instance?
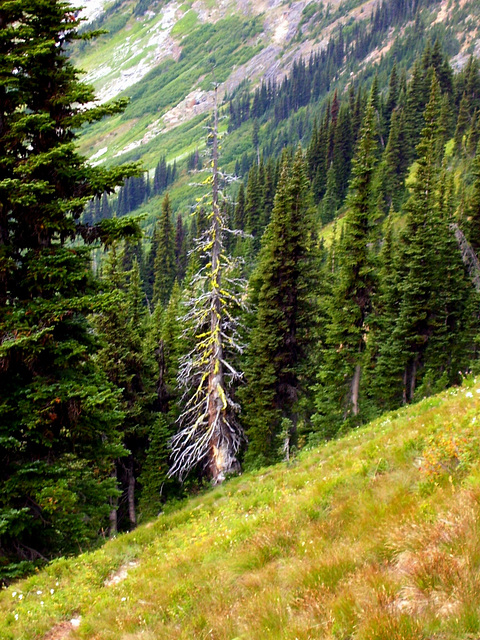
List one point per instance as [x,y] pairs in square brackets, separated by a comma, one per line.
[374,536]
[185,24]
[209,52]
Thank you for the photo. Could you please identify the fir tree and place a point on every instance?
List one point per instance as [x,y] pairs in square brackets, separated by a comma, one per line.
[119,324]
[164,269]
[473,220]
[463,123]
[283,328]
[59,416]
[433,291]
[351,304]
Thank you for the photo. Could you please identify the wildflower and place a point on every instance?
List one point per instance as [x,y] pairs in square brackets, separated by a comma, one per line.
[16,616]
[20,597]
[39,593]
[14,594]
[469,394]
[52,591]
[123,599]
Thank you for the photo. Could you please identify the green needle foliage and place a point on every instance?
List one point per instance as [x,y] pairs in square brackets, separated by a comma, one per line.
[283,292]
[59,416]
[353,290]
[164,265]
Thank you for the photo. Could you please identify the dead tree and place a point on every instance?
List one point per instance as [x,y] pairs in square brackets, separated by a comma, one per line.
[469,257]
[209,433]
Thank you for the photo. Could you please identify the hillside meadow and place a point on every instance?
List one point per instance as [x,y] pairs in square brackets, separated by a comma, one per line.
[372,536]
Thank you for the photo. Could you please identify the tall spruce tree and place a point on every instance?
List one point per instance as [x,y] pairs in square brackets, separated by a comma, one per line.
[59,417]
[283,332]
[119,323]
[433,292]
[164,268]
[351,303]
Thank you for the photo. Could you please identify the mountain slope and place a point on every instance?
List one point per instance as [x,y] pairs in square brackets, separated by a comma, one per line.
[372,536]
[164,56]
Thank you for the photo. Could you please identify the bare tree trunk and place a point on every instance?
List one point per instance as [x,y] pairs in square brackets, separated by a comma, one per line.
[131,495]
[413,378]
[355,390]
[113,529]
[221,459]
[410,380]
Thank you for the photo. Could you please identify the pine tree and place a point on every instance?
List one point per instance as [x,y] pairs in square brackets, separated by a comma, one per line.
[59,416]
[180,249]
[395,160]
[463,123]
[119,324]
[414,107]
[330,202]
[392,96]
[164,269]
[384,388]
[282,290]
[473,221]
[339,392]
[433,293]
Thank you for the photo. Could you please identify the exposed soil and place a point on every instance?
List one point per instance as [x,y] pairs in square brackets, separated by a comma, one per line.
[120,574]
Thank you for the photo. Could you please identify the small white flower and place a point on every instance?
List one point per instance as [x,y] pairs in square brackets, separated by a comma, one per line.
[41,602]
[16,616]
[20,597]
[469,394]
[56,584]
[123,599]
[39,593]
[52,591]
[14,594]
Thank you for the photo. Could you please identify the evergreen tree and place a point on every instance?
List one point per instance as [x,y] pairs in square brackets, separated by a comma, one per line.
[59,416]
[239,214]
[433,291]
[414,107]
[395,160]
[463,123]
[473,221]
[285,317]
[339,392]
[342,153]
[119,323]
[330,202]
[180,249]
[164,269]
[393,94]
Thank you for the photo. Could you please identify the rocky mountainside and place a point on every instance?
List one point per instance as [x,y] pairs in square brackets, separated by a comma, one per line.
[165,56]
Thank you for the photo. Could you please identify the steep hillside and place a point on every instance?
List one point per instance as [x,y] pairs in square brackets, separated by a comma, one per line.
[165,56]
[372,536]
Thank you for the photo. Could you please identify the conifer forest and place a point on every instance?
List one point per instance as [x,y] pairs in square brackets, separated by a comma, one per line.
[308,262]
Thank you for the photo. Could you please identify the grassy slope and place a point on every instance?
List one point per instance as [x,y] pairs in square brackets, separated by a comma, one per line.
[373,536]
